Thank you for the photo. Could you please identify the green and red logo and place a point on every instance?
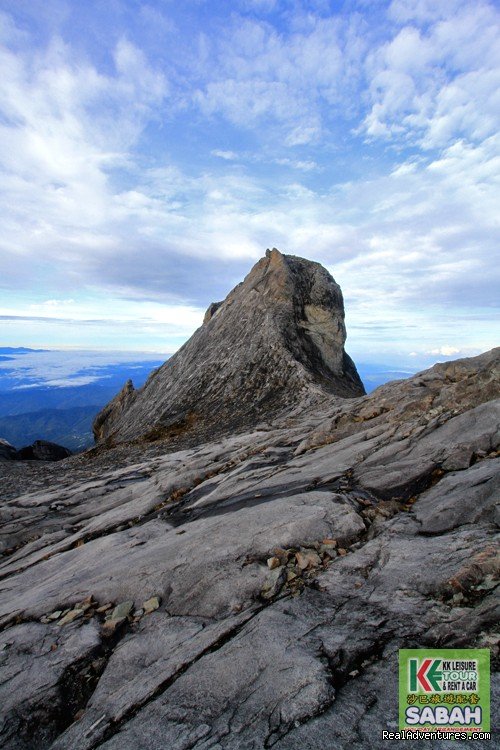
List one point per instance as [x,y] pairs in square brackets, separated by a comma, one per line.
[425,676]
[444,689]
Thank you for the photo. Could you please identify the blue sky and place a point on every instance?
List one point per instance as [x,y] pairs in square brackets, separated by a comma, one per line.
[151,151]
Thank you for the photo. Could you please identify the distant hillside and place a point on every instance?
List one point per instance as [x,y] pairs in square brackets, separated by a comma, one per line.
[27,400]
[69,427]
[61,415]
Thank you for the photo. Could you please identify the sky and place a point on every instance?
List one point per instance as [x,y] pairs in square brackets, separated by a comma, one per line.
[151,151]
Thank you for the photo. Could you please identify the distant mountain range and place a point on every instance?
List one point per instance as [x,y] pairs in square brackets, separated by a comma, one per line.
[38,400]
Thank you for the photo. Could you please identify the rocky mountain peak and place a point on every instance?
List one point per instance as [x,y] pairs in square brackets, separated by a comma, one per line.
[275,342]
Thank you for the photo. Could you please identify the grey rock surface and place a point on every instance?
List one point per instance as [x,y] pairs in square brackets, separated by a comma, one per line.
[276,341]
[46,673]
[381,513]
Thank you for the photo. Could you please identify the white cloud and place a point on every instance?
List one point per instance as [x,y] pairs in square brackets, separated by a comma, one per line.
[432,85]
[282,78]
[424,10]
[303,134]
[259,5]
[434,79]
[65,125]
[52,304]
[226,155]
[446,351]
[303,166]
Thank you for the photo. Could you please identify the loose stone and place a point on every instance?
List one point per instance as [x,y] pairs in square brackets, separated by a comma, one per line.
[151,604]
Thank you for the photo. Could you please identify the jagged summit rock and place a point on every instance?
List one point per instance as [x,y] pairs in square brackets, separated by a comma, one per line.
[276,341]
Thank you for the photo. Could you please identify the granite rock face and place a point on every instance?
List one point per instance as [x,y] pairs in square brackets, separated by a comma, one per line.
[275,342]
[253,591]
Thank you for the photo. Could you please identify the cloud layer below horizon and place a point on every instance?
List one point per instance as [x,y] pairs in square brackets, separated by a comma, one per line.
[151,152]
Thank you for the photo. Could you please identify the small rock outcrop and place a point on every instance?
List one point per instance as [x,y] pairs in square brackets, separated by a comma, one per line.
[275,342]
[7,451]
[43,450]
[40,450]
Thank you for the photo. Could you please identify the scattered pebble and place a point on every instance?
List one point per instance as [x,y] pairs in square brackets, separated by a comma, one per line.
[72,615]
[282,554]
[151,604]
[84,606]
[88,608]
[307,559]
[328,549]
[274,583]
[121,611]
